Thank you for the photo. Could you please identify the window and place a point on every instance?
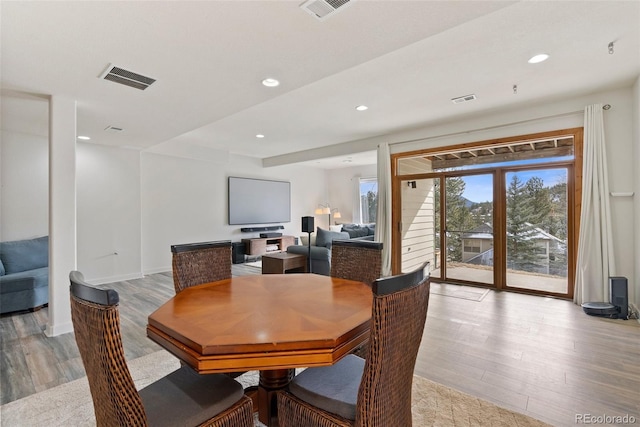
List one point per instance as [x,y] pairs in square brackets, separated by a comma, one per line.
[540,250]
[472,246]
[368,200]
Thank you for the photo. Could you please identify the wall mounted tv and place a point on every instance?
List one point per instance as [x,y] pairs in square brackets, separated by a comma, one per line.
[258,201]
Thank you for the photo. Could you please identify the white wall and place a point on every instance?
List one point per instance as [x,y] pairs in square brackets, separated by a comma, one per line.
[618,124]
[108,212]
[24,186]
[137,204]
[185,200]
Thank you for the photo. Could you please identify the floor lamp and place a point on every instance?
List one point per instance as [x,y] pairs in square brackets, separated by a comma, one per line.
[307,227]
[326,210]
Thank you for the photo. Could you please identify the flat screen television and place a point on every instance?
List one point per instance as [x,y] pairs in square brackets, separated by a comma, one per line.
[258,201]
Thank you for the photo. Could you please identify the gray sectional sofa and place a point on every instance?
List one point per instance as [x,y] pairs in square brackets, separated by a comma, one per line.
[24,274]
[322,240]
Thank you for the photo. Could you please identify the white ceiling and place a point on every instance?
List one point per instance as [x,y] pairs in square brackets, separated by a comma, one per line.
[403,59]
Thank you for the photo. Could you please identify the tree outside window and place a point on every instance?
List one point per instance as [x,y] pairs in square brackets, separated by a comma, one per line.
[368,200]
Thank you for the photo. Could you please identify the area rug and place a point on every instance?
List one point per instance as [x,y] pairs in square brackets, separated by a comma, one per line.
[256,264]
[70,404]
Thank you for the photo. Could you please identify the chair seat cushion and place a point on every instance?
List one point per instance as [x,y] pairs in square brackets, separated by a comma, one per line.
[185,397]
[331,388]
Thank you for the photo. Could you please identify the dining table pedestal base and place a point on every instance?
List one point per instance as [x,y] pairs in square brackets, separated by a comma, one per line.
[270,382]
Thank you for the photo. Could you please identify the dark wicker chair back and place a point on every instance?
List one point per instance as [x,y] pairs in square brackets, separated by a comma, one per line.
[398,317]
[359,260]
[96,323]
[198,263]
[383,398]
[116,402]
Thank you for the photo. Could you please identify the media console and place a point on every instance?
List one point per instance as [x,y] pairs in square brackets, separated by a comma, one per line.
[261,246]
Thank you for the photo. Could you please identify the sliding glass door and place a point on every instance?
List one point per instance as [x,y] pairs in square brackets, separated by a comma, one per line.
[468,221]
[532,221]
[536,230]
[464,252]
[501,216]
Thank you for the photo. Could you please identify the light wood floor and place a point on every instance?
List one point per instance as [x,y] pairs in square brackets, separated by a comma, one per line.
[540,356]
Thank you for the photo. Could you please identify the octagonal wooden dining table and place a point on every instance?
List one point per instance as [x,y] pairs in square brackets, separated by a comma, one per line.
[272,323]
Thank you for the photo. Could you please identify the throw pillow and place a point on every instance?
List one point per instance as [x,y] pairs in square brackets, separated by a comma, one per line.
[1,268]
[335,227]
[326,237]
[357,231]
[304,240]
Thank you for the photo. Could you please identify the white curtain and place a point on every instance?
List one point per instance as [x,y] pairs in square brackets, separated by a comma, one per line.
[383,221]
[596,261]
[355,209]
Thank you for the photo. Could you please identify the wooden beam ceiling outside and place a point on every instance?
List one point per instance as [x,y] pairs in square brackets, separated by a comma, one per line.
[521,150]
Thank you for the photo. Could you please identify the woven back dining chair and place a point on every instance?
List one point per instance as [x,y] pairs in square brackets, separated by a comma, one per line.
[359,260]
[375,392]
[183,397]
[198,263]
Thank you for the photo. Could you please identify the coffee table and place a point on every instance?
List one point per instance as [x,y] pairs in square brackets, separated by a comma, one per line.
[284,262]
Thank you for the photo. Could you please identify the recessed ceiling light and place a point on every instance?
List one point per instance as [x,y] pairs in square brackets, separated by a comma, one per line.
[538,58]
[362,108]
[84,138]
[347,160]
[269,82]
[259,135]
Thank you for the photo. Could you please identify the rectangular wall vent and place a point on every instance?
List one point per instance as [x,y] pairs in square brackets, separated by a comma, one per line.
[461,99]
[322,9]
[127,78]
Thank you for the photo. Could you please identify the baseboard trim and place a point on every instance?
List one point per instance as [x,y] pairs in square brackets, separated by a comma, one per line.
[119,278]
[55,330]
[156,270]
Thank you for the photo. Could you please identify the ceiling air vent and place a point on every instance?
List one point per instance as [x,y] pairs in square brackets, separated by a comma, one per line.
[127,78]
[461,99]
[321,9]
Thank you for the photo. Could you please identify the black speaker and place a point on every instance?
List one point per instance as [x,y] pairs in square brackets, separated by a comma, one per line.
[237,252]
[269,228]
[619,296]
[269,235]
[307,224]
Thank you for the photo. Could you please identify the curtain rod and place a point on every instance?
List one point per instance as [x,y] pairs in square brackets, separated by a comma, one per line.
[604,107]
